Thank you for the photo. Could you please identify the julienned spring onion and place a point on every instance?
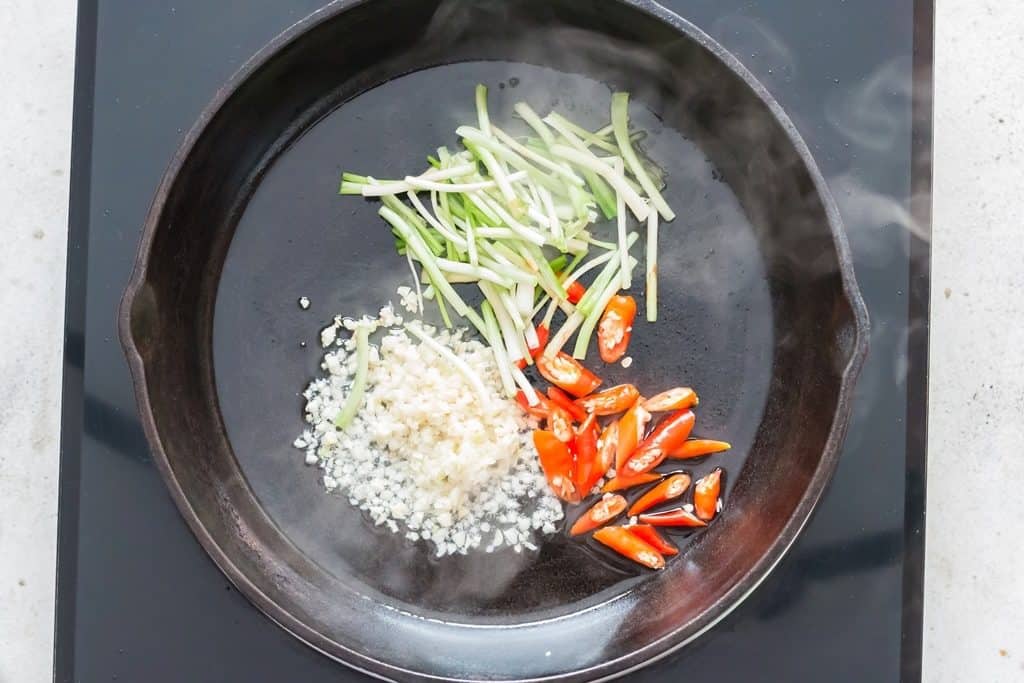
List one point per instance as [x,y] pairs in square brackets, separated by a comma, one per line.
[496,210]
[355,393]
[652,267]
[620,126]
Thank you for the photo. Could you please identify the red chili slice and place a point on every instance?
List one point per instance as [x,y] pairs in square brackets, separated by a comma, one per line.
[610,401]
[705,495]
[626,543]
[616,328]
[666,437]
[631,431]
[565,372]
[674,517]
[557,462]
[560,398]
[602,512]
[673,399]
[560,424]
[649,535]
[695,448]
[574,292]
[622,483]
[671,488]
[542,340]
[588,468]
[539,411]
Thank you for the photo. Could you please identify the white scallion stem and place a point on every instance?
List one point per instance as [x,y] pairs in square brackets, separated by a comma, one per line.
[532,340]
[554,224]
[576,246]
[474,256]
[524,384]
[481,109]
[536,158]
[496,233]
[549,315]
[618,182]
[493,336]
[480,143]
[497,172]
[620,125]
[544,299]
[513,346]
[563,335]
[424,256]
[620,208]
[524,298]
[470,270]
[533,121]
[652,267]
[587,267]
[354,400]
[445,231]
[538,216]
[526,233]
[416,280]
[508,306]
[608,274]
[380,188]
[570,131]
[509,271]
[420,184]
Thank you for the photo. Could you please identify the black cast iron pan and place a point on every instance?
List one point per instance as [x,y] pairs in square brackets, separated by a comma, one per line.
[760,311]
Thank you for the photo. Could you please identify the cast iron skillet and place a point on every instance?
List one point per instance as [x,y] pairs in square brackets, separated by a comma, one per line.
[760,311]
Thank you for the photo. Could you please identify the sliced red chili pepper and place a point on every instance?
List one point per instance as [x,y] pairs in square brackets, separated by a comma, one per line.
[565,372]
[539,411]
[622,483]
[666,437]
[649,535]
[615,328]
[606,446]
[626,543]
[560,424]
[574,292]
[610,401]
[695,448]
[587,466]
[560,398]
[673,399]
[673,487]
[674,517]
[705,495]
[602,512]
[542,340]
[631,430]
[556,461]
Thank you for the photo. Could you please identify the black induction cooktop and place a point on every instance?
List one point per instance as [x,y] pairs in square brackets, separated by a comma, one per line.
[139,600]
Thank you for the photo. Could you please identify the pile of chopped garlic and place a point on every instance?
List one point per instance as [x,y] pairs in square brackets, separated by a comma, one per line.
[426,455]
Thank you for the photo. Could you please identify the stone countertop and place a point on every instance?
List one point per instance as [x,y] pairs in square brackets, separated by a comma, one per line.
[974,629]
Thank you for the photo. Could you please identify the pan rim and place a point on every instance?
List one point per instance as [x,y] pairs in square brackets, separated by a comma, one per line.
[605,670]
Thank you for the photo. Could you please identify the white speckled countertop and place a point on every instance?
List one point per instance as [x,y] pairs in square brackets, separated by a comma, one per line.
[974,606]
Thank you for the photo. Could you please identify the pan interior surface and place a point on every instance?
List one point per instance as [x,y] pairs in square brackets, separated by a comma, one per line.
[754,314]
[297,237]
